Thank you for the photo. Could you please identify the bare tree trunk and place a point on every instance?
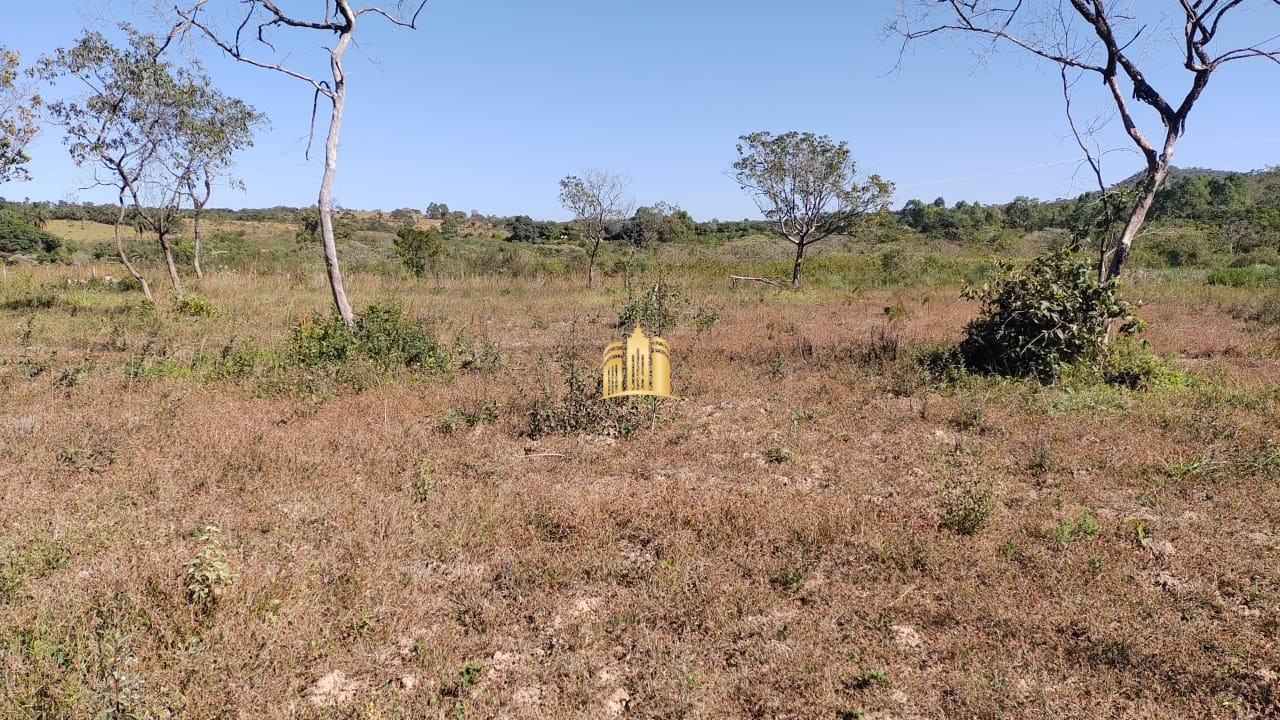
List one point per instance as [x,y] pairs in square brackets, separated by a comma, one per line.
[326,184]
[124,257]
[795,271]
[196,249]
[173,268]
[591,264]
[1151,183]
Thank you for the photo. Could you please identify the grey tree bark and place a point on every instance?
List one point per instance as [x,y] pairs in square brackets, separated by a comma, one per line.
[124,257]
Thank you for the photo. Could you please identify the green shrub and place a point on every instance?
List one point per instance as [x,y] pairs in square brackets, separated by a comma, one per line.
[418,248]
[389,338]
[578,409]
[17,236]
[207,574]
[1252,276]
[662,307]
[315,342]
[1038,318]
[195,306]
[965,505]
[383,334]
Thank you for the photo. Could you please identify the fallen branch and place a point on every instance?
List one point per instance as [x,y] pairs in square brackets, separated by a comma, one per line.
[538,455]
[733,280]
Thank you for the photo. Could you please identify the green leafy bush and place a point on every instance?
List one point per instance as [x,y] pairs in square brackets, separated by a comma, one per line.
[17,236]
[320,341]
[418,248]
[382,334]
[1035,319]
[195,306]
[385,335]
[664,306]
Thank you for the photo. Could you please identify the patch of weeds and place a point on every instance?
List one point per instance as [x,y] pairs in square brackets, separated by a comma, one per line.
[1039,460]
[469,355]
[389,338]
[38,559]
[468,675]
[869,678]
[777,454]
[909,555]
[207,575]
[92,457]
[1138,528]
[315,342]
[577,408]
[881,350]
[71,375]
[965,504]
[478,412]
[194,305]
[1194,469]
[1069,530]
[662,308]
[790,578]
[30,300]
[235,361]
[548,527]
[362,625]
[423,484]
[968,418]
[777,369]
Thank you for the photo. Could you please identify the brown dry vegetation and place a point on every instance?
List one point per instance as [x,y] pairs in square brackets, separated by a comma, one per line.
[772,547]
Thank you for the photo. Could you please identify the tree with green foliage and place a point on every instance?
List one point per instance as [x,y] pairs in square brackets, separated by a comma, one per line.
[20,238]
[18,121]
[117,126]
[808,187]
[522,229]
[211,129]
[418,248]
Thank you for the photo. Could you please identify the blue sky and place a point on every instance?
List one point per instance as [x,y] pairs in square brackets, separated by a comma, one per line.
[488,104]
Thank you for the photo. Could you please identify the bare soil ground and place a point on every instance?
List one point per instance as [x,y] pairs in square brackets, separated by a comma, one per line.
[773,546]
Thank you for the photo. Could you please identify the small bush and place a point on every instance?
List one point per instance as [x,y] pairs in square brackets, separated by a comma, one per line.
[1036,319]
[387,337]
[316,342]
[965,505]
[195,306]
[207,574]
[663,307]
[383,334]
[578,409]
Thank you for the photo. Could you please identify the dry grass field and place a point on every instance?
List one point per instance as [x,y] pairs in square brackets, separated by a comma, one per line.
[191,527]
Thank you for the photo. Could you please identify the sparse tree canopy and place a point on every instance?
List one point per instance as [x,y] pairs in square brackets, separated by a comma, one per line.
[18,126]
[337,20]
[807,186]
[596,199]
[1112,42]
[120,125]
